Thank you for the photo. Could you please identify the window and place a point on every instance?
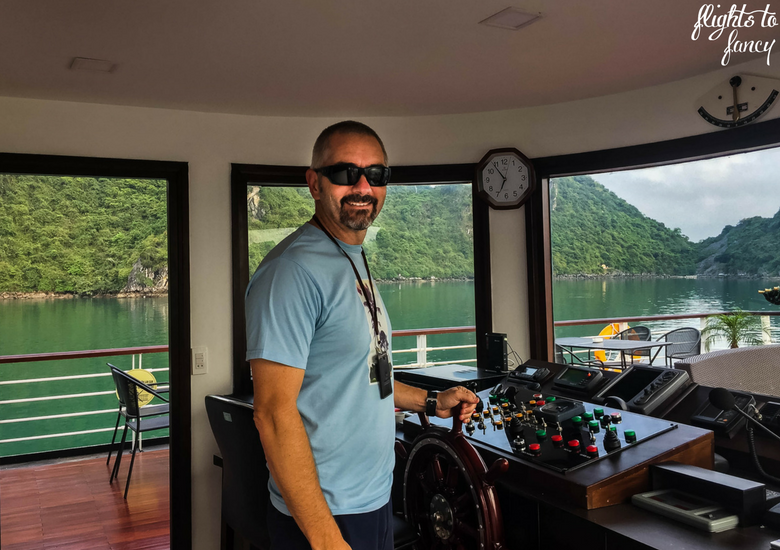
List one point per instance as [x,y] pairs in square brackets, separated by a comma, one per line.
[420,248]
[551,254]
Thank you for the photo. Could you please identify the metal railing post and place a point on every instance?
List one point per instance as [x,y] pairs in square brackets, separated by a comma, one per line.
[766,335]
[422,350]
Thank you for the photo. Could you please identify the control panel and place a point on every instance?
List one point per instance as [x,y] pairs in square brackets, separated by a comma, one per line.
[711,417]
[581,380]
[644,388]
[554,432]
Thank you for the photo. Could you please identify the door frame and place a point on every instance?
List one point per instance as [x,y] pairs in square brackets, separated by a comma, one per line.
[179,343]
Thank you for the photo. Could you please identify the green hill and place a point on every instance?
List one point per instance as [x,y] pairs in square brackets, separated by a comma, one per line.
[592,227]
[82,235]
[422,231]
[747,249]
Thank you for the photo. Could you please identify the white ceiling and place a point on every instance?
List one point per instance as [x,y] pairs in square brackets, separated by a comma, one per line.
[349,57]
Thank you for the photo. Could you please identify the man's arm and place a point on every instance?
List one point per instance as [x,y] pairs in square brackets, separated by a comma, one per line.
[410,398]
[288,452]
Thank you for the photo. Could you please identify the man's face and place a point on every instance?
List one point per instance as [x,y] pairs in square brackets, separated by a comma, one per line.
[348,210]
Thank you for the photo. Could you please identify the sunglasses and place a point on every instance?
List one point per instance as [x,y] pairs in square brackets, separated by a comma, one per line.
[346,173]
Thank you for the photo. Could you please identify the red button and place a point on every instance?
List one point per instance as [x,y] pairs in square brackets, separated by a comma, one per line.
[592,450]
[535,448]
[574,444]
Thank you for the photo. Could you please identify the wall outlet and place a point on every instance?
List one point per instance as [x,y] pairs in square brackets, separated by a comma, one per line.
[200,360]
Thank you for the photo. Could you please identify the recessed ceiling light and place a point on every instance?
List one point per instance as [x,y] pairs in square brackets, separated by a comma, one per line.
[510,18]
[87,64]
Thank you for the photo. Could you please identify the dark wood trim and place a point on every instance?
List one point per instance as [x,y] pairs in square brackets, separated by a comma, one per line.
[715,144]
[483,289]
[538,320]
[179,355]
[176,173]
[245,174]
[83,354]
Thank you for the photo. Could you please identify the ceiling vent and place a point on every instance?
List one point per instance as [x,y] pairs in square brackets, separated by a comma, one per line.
[510,18]
[95,65]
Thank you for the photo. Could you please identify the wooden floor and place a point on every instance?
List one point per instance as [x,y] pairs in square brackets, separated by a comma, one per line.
[72,506]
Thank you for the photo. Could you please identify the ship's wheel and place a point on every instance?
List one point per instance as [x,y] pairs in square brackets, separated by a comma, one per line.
[449,494]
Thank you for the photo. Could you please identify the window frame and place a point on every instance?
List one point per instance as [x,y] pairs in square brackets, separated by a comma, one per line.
[715,144]
[243,175]
[179,343]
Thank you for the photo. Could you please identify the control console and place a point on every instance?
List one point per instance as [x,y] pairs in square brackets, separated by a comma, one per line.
[555,432]
[644,388]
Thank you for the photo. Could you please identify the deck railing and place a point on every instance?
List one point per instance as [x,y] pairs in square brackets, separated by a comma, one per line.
[765,317]
[22,385]
[422,348]
[136,354]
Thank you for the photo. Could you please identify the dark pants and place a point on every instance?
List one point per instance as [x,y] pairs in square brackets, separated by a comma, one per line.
[369,531]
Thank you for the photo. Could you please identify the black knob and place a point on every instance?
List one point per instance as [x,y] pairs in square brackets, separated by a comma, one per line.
[611,440]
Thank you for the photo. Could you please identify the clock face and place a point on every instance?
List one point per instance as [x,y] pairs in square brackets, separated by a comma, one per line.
[505,179]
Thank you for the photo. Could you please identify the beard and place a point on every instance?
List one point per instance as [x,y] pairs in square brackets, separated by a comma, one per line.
[358,220]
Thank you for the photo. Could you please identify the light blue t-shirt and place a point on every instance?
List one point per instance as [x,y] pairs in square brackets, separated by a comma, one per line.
[305,309]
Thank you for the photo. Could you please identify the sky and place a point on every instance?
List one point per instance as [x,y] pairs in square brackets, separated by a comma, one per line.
[701,197]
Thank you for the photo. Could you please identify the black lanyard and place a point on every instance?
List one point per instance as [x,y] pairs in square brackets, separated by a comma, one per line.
[372,297]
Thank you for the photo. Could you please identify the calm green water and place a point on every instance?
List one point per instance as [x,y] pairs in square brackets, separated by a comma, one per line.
[35,326]
[427,304]
[598,299]
[38,326]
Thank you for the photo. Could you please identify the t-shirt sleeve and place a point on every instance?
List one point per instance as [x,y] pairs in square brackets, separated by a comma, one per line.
[282,308]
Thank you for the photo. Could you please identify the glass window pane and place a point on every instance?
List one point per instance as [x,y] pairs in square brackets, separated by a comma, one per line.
[421,252]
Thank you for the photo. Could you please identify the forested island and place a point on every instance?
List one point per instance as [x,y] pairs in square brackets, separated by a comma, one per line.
[423,231]
[81,235]
[94,236]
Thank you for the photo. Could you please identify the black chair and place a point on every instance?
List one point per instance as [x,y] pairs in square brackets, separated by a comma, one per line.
[245,476]
[129,390]
[244,473]
[146,410]
[638,332]
[687,343]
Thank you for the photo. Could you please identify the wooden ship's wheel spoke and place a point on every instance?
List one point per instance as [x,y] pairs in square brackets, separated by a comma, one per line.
[449,494]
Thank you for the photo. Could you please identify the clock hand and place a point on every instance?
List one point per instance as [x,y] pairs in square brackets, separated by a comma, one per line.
[499,171]
[735,82]
[503,177]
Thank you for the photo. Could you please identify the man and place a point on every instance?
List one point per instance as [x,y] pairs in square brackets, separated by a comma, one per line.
[318,344]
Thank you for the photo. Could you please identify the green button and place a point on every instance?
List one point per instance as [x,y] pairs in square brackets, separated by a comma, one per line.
[630,435]
[503,400]
[493,398]
[613,428]
[588,416]
[593,424]
[541,434]
[576,420]
[598,412]
[550,399]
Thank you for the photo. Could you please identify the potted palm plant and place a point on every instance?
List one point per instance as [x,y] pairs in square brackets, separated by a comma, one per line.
[736,327]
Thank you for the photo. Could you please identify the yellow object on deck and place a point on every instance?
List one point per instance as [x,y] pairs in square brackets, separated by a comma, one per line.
[147,378]
[607,332]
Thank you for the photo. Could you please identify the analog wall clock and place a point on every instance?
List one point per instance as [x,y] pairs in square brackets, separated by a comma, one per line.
[505,178]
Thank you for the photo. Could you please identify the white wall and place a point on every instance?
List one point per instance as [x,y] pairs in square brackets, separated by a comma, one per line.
[210,142]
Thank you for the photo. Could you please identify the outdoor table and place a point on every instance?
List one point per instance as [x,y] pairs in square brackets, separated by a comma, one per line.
[569,343]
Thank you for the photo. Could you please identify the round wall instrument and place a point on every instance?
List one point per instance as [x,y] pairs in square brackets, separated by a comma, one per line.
[740,100]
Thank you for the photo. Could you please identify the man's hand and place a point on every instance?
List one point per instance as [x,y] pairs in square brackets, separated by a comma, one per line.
[457,400]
